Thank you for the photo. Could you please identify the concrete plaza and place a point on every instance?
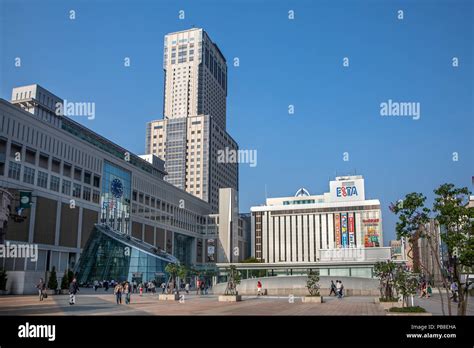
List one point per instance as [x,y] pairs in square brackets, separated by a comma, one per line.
[100,303]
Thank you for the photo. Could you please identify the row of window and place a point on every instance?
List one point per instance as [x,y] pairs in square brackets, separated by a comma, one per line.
[78,191]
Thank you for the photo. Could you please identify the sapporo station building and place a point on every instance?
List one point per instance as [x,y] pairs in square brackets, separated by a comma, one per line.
[91,196]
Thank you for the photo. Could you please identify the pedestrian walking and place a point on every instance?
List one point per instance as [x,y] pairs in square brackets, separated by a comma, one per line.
[259,288]
[454,291]
[41,286]
[163,287]
[118,293]
[127,289]
[73,289]
[186,288]
[333,288]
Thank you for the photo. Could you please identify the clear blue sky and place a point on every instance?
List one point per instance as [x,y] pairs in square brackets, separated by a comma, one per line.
[282,62]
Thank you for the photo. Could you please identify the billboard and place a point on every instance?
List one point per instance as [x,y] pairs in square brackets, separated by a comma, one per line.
[372,234]
[351,231]
[211,250]
[347,190]
[337,227]
[345,241]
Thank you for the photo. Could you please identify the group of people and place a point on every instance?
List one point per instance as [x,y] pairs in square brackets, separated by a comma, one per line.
[123,290]
[425,289]
[337,289]
[73,289]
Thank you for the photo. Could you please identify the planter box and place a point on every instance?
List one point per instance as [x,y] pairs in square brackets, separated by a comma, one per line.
[64,292]
[168,297]
[50,292]
[312,299]
[230,298]
[3,292]
[388,305]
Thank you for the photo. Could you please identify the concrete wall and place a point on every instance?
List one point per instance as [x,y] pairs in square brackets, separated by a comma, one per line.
[296,285]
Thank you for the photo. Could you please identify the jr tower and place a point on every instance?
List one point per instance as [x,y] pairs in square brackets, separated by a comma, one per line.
[193,128]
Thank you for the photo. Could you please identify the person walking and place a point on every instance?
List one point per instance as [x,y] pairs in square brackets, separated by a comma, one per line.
[118,293]
[259,288]
[198,286]
[41,286]
[333,288]
[73,289]
[127,289]
[339,288]
[429,291]
[163,287]
[454,291]
[96,285]
[106,285]
[186,288]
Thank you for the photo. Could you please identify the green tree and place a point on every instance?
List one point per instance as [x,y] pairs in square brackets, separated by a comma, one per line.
[175,271]
[405,283]
[65,281]
[457,218]
[3,280]
[384,270]
[312,283]
[70,276]
[53,280]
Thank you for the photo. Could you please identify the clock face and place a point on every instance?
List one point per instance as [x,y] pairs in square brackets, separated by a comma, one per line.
[117,188]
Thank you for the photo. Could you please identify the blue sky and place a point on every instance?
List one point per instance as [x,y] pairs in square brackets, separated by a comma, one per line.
[282,62]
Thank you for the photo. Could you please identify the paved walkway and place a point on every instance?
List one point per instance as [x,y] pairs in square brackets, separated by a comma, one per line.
[433,305]
[101,303]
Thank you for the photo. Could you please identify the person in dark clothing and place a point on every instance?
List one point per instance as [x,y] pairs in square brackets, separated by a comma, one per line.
[73,289]
[333,289]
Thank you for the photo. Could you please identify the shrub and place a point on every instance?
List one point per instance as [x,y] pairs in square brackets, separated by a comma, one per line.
[416,309]
[65,281]
[53,280]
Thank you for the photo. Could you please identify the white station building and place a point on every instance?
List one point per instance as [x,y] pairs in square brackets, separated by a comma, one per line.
[339,226]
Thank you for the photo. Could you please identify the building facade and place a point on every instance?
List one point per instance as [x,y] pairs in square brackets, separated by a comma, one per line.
[193,128]
[78,179]
[317,228]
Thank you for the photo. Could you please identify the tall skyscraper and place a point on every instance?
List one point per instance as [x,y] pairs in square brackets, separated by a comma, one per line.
[193,128]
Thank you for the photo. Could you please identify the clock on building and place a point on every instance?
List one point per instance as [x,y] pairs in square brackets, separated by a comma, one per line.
[116,188]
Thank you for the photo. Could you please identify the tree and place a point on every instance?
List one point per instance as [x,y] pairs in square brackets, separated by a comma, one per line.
[457,218]
[233,279]
[385,272]
[312,283]
[405,283]
[174,271]
[53,280]
[70,276]
[65,281]
[3,280]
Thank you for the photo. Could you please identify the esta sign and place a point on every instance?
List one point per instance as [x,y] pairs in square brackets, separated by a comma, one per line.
[346,191]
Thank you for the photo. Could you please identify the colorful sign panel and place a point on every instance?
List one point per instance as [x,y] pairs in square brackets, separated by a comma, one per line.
[351,231]
[372,234]
[345,241]
[337,226]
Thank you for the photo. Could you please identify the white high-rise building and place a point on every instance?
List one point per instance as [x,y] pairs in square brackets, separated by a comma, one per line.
[193,128]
